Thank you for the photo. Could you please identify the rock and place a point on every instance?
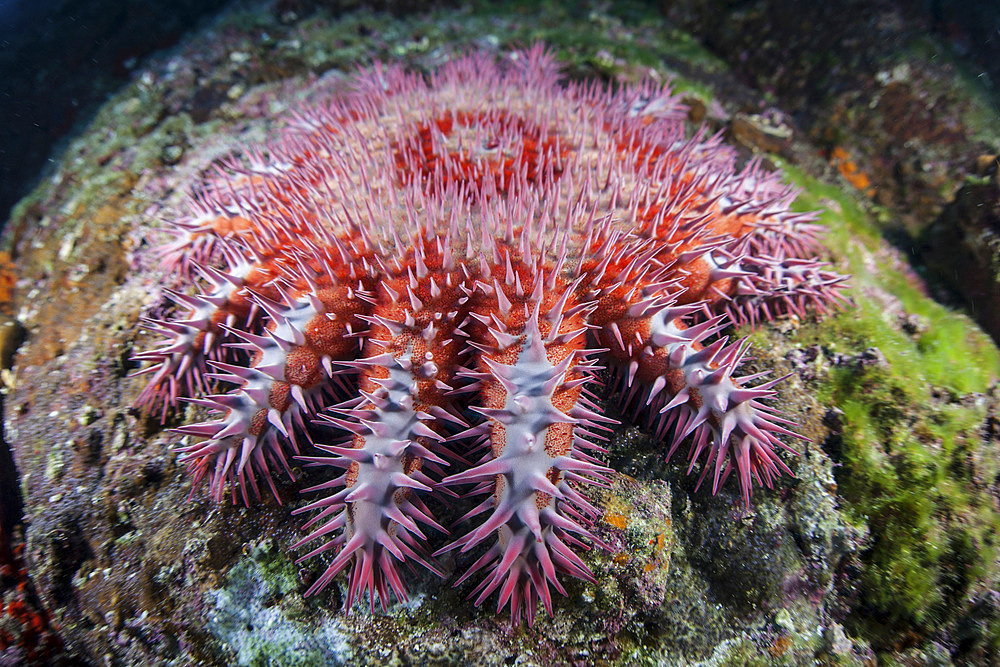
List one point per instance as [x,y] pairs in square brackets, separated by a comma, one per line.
[962,246]
[136,570]
[767,132]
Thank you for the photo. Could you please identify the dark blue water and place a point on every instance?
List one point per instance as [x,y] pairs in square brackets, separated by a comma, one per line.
[60,58]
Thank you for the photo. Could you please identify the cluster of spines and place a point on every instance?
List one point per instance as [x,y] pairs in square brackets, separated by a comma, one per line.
[179,366]
[532,372]
[504,327]
[723,416]
[278,394]
[267,334]
[374,516]
[407,372]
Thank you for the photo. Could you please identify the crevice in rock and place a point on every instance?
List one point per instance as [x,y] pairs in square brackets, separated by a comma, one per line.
[11,503]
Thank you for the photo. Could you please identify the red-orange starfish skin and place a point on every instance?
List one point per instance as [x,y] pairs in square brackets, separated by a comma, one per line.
[435,267]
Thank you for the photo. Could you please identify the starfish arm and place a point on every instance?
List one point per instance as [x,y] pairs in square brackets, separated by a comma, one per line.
[290,377]
[374,519]
[690,390]
[776,286]
[397,431]
[535,376]
[179,367]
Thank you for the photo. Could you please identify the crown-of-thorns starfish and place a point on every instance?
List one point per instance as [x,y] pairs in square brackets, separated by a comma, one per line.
[438,268]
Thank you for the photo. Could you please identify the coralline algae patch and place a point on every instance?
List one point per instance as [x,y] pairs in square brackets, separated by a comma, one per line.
[26,630]
[439,270]
[621,516]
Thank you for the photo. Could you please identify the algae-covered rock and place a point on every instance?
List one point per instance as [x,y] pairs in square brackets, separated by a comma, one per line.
[883,544]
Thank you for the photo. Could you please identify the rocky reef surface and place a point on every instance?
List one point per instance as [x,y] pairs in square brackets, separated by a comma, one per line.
[883,547]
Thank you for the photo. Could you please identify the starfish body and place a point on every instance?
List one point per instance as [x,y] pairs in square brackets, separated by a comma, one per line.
[438,269]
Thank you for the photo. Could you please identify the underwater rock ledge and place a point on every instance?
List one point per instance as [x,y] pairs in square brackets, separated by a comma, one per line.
[882,543]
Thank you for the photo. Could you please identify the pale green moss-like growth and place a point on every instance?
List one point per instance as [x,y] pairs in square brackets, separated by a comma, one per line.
[908,435]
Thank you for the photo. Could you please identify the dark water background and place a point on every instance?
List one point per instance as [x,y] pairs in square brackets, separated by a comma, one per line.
[60,58]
